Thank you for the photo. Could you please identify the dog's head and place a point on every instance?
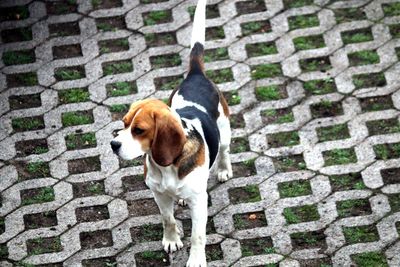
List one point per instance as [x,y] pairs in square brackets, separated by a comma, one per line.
[150,127]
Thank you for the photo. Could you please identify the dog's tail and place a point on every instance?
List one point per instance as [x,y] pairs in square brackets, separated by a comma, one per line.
[198,38]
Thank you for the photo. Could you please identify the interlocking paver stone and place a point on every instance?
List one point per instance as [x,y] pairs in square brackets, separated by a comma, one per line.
[314,92]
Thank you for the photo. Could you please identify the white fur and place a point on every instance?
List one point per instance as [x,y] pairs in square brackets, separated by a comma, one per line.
[130,147]
[199,24]
[179,102]
[224,161]
[192,190]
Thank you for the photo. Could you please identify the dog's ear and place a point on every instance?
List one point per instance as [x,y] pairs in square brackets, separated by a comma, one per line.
[133,109]
[168,140]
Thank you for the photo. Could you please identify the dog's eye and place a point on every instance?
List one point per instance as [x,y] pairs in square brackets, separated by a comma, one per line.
[137,131]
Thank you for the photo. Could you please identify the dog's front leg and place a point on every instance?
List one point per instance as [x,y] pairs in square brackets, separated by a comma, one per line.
[171,240]
[198,209]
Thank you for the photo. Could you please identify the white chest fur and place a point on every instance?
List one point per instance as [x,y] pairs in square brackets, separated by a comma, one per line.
[165,180]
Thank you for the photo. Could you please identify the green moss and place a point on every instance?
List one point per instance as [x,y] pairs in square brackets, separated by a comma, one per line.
[239,145]
[315,64]
[117,67]
[368,259]
[28,123]
[65,74]
[249,193]
[216,54]
[3,251]
[369,80]
[257,246]
[119,108]
[273,116]
[395,30]
[267,93]
[347,182]
[391,9]
[304,213]
[294,188]
[114,45]
[352,207]
[96,189]
[360,234]
[387,151]
[74,95]
[283,139]
[104,26]
[306,237]
[96,3]
[74,141]
[214,33]
[76,118]
[121,88]
[261,49]
[357,36]
[383,126]
[363,58]
[254,27]
[26,79]
[285,118]
[349,14]
[46,194]
[394,201]
[303,21]
[339,156]
[290,163]
[309,42]
[232,97]
[39,169]
[149,232]
[266,71]
[40,150]
[334,132]
[158,255]
[156,17]
[18,57]
[53,244]
[171,84]
[159,39]
[163,61]
[297,3]
[320,87]
[220,76]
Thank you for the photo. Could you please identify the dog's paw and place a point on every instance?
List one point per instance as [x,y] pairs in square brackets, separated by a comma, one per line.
[172,245]
[224,175]
[182,202]
[197,259]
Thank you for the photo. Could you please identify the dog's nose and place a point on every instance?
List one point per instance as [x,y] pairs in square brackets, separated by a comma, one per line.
[115,145]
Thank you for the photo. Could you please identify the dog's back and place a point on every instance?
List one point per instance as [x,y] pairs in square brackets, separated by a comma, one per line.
[197,97]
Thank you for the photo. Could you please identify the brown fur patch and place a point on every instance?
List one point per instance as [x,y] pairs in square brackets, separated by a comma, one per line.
[224,104]
[193,155]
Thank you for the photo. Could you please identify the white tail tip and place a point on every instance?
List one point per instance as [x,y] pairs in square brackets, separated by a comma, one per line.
[199,24]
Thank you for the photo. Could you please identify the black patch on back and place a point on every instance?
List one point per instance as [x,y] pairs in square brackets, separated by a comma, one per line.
[210,128]
[198,89]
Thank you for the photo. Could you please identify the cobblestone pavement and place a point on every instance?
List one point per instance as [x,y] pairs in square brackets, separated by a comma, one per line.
[314,92]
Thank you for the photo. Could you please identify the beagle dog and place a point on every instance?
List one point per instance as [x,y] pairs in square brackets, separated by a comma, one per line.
[181,142]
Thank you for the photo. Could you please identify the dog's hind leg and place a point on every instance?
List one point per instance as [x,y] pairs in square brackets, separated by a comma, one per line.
[171,240]
[224,161]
